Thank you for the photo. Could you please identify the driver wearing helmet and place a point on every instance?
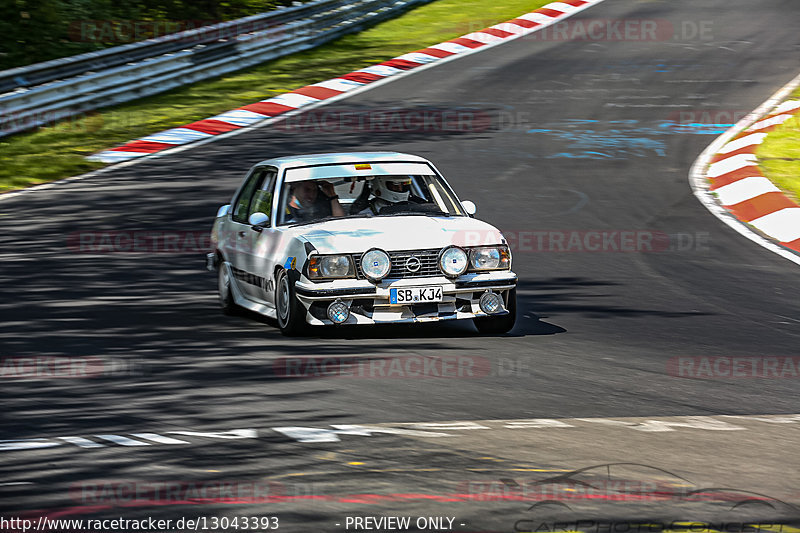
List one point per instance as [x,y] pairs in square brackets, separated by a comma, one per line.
[386,191]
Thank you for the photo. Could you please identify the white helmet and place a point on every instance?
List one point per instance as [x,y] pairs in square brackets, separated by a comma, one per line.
[392,189]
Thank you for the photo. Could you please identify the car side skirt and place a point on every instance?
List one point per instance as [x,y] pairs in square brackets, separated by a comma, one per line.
[240,300]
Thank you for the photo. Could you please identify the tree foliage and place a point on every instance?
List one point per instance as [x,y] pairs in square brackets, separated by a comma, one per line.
[39,30]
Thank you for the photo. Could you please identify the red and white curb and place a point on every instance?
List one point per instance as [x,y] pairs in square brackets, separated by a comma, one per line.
[283,105]
[727,179]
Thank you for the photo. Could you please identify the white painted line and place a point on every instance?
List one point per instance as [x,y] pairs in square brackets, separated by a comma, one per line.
[122,441]
[749,140]
[482,37]
[440,429]
[772,419]
[561,6]
[510,27]
[418,57]
[112,156]
[32,444]
[744,189]
[453,426]
[339,84]
[161,439]
[692,422]
[240,117]
[176,136]
[787,107]
[772,121]
[304,434]
[783,225]
[536,423]
[381,70]
[453,48]
[233,434]
[292,100]
[731,164]
[537,17]
[82,442]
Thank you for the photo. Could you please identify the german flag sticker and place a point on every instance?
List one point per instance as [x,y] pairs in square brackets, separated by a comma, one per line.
[363,166]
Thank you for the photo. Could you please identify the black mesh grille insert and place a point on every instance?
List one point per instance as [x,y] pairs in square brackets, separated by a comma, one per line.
[428,264]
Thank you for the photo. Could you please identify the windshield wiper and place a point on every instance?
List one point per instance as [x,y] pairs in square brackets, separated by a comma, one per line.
[332,217]
[418,213]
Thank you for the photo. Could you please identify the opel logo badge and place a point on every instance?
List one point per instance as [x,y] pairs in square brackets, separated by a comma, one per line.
[413,264]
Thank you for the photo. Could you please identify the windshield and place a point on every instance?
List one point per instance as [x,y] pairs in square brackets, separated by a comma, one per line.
[312,200]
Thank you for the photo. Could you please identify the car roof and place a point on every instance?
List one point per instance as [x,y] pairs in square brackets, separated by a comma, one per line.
[340,157]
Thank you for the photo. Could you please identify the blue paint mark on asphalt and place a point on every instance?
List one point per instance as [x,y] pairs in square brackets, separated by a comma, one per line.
[586,139]
[702,129]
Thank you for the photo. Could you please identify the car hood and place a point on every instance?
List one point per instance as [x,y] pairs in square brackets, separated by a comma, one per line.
[357,235]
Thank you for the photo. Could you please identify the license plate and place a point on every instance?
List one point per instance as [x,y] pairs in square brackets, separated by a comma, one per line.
[411,295]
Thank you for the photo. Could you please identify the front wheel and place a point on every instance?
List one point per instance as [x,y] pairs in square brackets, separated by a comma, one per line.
[291,313]
[499,324]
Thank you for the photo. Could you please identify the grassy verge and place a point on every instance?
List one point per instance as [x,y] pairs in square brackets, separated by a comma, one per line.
[59,151]
[779,155]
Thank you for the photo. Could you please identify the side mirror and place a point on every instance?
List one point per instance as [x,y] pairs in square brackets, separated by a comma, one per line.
[222,211]
[258,220]
[469,207]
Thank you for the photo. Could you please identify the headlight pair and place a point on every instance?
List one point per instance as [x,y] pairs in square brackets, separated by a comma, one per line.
[454,261]
[375,265]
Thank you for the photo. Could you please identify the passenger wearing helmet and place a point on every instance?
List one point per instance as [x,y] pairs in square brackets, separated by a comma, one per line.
[386,191]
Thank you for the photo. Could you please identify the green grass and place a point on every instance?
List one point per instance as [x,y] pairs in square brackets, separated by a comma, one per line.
[779,155]
[59,151]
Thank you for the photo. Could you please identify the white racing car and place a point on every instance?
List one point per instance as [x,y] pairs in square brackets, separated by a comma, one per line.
[359,238]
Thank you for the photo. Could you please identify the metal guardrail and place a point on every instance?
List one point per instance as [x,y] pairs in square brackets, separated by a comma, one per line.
[39,73]
[71,86]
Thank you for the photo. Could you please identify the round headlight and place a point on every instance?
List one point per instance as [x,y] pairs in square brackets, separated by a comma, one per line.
[338,312]
[335,266]
[485,258]
[453,261]
[375,264]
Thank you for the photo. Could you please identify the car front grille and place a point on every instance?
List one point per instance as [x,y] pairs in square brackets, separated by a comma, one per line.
[429,264]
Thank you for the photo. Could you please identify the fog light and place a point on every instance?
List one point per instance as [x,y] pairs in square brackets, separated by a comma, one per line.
[491,303]
[338,312]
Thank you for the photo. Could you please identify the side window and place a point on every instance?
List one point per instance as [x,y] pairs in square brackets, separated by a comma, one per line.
[262,199]
[241,210]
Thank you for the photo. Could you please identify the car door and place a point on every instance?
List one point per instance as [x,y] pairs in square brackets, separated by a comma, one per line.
[260,241]
[238,246]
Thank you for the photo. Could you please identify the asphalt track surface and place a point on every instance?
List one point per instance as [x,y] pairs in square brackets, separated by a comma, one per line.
[595,334]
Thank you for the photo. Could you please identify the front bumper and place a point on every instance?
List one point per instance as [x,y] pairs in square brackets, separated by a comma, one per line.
[369,303]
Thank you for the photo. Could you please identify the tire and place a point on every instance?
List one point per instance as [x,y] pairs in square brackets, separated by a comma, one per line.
[291,313]
[226,302]
[496,325]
